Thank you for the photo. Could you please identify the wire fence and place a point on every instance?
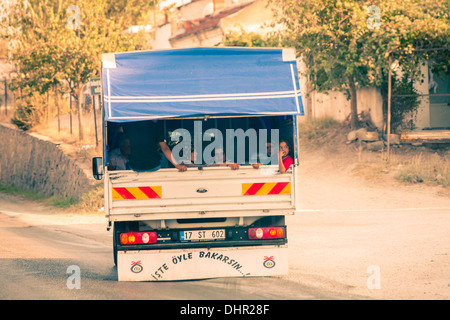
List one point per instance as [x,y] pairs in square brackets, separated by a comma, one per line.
[6,97]
[425,105]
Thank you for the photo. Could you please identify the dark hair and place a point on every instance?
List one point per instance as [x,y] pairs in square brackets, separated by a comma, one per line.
[288,145]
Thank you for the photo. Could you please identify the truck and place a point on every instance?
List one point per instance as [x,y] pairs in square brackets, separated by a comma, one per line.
[208,221]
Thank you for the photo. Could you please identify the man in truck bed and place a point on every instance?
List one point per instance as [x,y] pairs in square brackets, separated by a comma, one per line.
[146,138]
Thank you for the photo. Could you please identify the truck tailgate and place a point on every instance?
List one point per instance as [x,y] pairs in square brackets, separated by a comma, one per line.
[167,193]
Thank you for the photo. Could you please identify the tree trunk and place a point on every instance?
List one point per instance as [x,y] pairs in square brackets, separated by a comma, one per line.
[55,89]
[70,113]
[354,123]
[48,107]
[79,93]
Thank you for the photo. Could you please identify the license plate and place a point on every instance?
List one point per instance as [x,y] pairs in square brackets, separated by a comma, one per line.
[202,235]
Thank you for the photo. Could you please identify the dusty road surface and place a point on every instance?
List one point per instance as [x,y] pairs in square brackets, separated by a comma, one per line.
[378,239]
[351,239]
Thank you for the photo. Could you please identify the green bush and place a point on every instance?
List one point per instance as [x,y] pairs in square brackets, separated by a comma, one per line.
[404,99]
[26,115]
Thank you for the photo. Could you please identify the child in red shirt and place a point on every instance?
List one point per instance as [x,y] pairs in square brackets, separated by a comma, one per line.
[284,160]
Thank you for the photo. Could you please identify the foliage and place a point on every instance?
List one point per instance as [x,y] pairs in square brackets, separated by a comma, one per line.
[252,39]
[27,113]
[404,100]
[57,44]
[129,12]
[346,44]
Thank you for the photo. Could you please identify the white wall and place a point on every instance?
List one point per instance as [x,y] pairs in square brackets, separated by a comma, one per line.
[161,37]
[335,105]
[209,38]
[422,119]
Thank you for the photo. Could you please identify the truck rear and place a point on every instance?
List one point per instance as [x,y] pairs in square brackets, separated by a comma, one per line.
[224,217]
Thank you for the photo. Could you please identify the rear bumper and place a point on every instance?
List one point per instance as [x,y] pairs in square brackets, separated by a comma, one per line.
[235,237]
[202,263]
[201,244]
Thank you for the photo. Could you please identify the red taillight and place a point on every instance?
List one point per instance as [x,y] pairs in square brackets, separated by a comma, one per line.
[138,237]
[266,233]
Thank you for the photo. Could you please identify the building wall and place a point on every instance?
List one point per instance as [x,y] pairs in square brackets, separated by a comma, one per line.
[255,18]
[433,111]
[196,9]
[208,38]
[335,105]
[422,119]
[439,105]
[161,37]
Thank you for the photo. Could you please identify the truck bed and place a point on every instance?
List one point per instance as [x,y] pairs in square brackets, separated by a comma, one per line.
[210,192]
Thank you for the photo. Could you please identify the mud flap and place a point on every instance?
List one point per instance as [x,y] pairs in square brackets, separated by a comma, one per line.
[184,264]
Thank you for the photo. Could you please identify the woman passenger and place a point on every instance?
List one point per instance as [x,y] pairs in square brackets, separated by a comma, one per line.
[284,159]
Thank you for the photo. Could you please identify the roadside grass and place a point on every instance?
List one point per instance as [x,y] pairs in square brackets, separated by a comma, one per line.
[91,202]
[321,132]
[407,164]
[16,191]
[373,169]
[411,167]
[430,168]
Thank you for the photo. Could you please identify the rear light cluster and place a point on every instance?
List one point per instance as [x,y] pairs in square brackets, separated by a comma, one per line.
[138,238]
[266,233]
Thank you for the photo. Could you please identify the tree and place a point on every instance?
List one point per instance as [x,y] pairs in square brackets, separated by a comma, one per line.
[58,44]
[345,44]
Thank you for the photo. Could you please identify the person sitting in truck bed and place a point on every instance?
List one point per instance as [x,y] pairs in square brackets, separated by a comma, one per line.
[284,159]
[220,161]
[261,157]
[118,157]
[146,140]
[194,155]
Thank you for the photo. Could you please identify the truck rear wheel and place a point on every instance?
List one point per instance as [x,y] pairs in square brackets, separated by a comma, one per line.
[116,230]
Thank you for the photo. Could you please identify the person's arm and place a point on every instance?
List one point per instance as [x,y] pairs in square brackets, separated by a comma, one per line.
[233,166]
[280,163]
[166,150]
[287,162]
[256,165]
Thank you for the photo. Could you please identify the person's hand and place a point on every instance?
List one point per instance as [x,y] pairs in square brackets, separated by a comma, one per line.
[256,165]
[181,167]
[234,166]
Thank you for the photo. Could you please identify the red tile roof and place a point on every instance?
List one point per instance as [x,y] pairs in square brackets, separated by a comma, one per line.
[208,22]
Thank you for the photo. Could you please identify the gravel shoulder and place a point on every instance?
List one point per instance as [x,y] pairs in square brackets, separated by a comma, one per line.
[368,236]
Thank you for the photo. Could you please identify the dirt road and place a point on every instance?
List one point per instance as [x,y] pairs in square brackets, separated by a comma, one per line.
[351,239]
[379,239]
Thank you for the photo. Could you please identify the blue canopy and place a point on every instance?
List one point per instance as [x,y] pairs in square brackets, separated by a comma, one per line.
[200,81]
